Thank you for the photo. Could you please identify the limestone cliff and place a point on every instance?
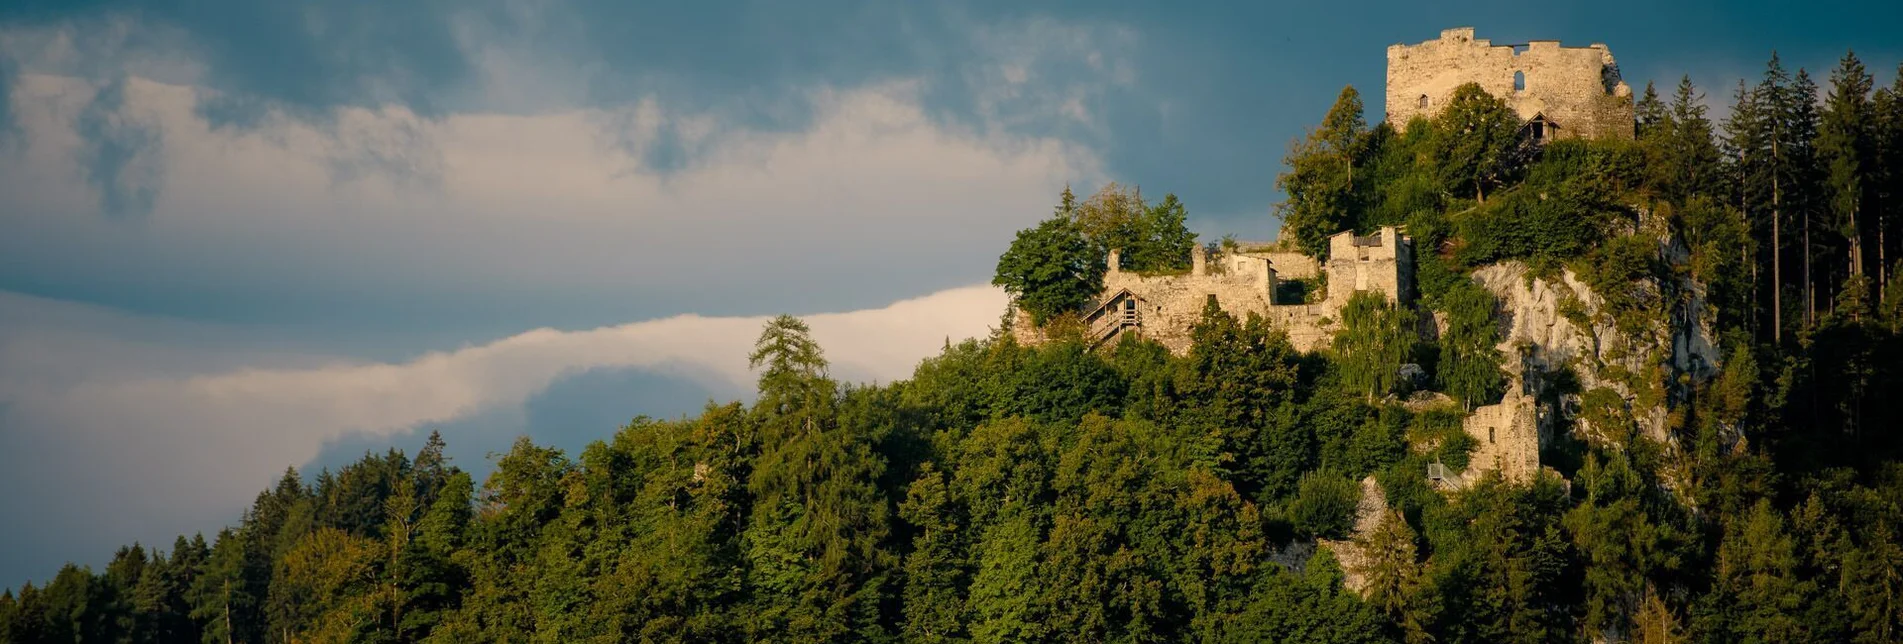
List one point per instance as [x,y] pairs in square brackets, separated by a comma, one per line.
[1580,360]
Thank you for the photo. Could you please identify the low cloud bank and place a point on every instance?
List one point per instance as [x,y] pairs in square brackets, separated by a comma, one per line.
[116,428]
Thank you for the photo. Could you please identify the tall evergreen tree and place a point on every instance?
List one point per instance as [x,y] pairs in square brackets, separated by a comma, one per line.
[1692,158]
[1748,148]
[1887,126]
[1321,177]
[1801,126]
[1651,118]
[1844,148]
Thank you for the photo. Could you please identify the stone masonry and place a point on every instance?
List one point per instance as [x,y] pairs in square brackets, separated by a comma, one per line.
[1562,92]
[1165,307]
[1506,436]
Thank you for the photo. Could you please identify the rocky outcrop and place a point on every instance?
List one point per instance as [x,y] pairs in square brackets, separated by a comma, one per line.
[1563,347]
[1369,513]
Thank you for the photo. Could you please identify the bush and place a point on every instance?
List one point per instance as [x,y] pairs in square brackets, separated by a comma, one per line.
[1324,505]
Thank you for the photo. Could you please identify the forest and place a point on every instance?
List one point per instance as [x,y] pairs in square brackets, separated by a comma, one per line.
[1013,492]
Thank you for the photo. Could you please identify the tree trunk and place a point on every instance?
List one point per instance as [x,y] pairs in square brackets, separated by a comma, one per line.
[1810,290]
[227,611]
[1777,260]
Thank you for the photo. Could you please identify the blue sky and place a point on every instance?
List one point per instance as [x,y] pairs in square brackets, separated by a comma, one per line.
[236,236]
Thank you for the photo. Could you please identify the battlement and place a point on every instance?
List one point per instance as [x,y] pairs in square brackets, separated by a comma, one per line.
[1562,92]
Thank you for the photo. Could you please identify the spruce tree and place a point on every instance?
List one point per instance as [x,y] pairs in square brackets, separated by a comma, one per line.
[1748,148]
[1692,156]
[1801,126]
[1844,149]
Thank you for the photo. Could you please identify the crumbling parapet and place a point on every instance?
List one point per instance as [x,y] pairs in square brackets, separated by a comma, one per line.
[1382,262]
[1506,437]
[1562,92]
[1165,307]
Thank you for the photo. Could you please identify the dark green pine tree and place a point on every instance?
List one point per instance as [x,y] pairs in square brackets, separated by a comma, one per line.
[1321,177]
[1651,119]
[817,566]
[1745,147]
[221,600]
[1844,147]
[1887,124]
[1806,193]
[1692,156]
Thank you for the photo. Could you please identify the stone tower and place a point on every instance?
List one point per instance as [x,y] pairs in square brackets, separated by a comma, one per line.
[1562,92]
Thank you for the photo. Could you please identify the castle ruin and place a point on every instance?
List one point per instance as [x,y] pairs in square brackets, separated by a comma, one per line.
[1561,92]
[1164,307]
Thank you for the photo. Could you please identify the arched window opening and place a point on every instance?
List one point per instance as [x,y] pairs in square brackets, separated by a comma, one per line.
[1519,81]
[1423,101]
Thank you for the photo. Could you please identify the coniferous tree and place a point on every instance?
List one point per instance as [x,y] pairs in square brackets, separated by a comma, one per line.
[1691,163]
[1844,148]
[1887,177]
[815,542]
[1651,118]
[1761,131]
[1321,177]
[1805,180]
[935,571]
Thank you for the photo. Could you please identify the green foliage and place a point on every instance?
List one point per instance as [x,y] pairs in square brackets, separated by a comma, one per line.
[1478,144]
[1050,269]
[1320,181]
[1324,504]
[1042,493]
[1164,241]
[1469,368]
[1568,203]
[1374,341]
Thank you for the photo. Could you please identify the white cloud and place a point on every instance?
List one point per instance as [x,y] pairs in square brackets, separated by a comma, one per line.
[147,428]
[382,201]
[116,426]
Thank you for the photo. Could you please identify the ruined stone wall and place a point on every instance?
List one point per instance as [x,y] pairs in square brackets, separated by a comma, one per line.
[1577,89]
[1382,262]
[1169,305]
[1506,436]
[1290,265]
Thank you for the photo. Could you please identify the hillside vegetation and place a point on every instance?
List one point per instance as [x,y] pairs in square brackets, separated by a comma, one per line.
[1013,493]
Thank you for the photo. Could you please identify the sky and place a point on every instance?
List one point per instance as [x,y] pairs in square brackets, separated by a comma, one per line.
[239,236]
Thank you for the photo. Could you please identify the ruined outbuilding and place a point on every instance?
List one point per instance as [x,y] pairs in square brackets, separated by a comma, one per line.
[1561,92]
[1164,307]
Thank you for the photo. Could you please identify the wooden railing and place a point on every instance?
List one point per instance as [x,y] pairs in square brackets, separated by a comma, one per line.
[1111,323]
